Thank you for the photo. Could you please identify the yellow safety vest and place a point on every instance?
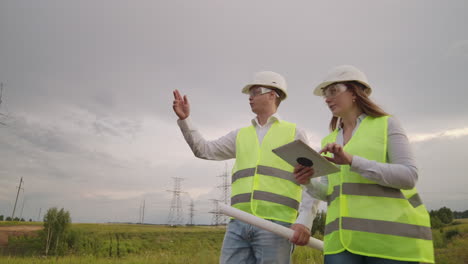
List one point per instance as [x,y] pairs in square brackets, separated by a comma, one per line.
[262,183]
[369,219]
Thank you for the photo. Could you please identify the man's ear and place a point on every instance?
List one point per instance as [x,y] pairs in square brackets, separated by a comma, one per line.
[272,95]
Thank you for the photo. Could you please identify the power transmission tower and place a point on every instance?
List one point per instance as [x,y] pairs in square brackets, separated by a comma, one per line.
[225,186]
[141,217]
[17,194]
[216,218]
[176,211]
[192,212]
[221,219]
[143,214]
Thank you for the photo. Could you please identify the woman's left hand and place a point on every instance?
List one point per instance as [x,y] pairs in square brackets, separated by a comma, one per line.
[340,157]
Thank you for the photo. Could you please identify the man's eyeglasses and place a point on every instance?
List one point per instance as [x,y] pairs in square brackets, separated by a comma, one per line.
[261,90]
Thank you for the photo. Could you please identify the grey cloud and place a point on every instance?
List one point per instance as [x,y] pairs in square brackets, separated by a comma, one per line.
[459,49]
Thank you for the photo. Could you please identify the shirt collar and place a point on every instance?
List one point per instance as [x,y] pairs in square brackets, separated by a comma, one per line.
[358,121]
[271,120]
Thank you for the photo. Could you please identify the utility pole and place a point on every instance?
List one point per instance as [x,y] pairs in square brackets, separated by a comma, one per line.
[1,95]
[17,194]
[1,92]
[39,215]
[176,211]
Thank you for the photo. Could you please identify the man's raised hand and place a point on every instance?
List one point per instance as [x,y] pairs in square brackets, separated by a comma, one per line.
[181,105]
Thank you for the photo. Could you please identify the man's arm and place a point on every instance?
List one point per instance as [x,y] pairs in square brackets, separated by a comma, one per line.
[221,149]
[307,208]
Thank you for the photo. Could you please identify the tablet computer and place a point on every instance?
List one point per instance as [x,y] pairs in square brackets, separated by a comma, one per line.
[299,152]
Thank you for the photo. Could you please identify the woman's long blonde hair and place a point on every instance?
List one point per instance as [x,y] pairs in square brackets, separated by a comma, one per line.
[363,102]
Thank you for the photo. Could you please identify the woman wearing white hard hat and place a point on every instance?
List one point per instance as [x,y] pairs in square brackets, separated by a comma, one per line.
[375,214]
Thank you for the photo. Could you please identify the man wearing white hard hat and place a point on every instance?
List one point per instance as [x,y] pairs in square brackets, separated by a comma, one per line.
[262,183]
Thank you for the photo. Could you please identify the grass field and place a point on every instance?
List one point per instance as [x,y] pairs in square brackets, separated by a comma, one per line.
[127,244]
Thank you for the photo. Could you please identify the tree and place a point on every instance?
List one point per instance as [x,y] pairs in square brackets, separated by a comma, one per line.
[56,223]
[435,222]
[445,215]
[8,218]
[1,217]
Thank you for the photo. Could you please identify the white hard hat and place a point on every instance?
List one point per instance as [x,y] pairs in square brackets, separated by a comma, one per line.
[343,73]
[268,78]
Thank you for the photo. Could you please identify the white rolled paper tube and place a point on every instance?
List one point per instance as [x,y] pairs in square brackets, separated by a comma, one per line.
[267,225]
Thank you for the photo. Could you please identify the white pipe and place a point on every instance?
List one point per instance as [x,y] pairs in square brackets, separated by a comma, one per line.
[267,225]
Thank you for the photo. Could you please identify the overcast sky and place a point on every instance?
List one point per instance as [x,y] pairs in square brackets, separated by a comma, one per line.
[88,92]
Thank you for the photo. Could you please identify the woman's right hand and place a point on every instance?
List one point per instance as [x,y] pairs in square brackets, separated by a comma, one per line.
[340,156]
[181,105]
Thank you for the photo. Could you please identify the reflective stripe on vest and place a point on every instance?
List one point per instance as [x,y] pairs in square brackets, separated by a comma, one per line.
[380,227]
[269,171]
[365,189]
[369,219]
[262,183]
[265,196]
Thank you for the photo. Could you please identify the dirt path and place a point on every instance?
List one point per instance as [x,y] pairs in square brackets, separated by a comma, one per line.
[7,231]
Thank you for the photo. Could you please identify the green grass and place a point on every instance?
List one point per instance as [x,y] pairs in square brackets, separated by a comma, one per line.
[97,243]
[17,223]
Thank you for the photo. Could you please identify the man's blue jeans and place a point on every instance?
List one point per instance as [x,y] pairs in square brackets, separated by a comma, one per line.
[244,243]
[350,258]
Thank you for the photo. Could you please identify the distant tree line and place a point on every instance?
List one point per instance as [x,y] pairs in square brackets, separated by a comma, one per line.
[17,219]
[444,216]
[459,215]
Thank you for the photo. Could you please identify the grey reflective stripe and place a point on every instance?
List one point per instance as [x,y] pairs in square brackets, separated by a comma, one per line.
[415,200]
[382,227]
[276,198]
[332,226]
[242,174]
[270,171]
[240,198]
[335,193]
[366,189]
[369,189]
